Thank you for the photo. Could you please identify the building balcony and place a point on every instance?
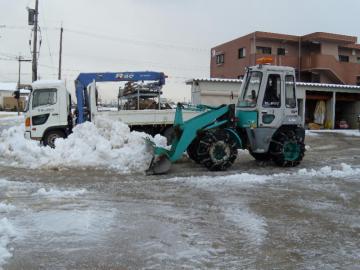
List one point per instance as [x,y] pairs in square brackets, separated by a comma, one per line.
[340,72]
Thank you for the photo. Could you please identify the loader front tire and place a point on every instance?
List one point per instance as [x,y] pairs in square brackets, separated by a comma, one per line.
[193,149]
[217,150]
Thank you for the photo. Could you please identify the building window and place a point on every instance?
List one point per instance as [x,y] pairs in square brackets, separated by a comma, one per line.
[343,58]
[220,59]
[263,50]
[242,53]
[358,80]
[281,51]
[358,60]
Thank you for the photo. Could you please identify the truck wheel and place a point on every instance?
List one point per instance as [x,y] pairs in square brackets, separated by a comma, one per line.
[192,150]
[51,136]
[260,156]
[217,150]
[287,149]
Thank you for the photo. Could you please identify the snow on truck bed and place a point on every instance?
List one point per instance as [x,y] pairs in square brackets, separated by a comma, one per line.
[108,145]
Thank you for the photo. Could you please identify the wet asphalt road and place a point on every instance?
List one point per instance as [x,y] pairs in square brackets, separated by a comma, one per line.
[264,217]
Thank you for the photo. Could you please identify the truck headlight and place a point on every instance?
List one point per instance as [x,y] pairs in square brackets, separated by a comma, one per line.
[27,122]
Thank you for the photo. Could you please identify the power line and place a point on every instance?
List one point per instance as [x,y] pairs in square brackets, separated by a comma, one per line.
[137,42]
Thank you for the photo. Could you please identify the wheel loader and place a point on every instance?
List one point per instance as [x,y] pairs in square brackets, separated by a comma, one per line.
[264,121]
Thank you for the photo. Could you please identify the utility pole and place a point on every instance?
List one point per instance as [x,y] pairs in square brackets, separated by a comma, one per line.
[20,59]
[34,56]
[60,52]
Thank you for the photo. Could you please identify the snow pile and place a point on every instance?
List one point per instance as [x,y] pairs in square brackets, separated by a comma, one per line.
[108,145]
[7,232]
[5,207]
[56,193]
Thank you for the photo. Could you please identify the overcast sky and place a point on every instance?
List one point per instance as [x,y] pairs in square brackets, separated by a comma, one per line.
[172,36]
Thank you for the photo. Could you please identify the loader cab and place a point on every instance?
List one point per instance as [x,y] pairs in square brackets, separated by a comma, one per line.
[48,112]
[268,97]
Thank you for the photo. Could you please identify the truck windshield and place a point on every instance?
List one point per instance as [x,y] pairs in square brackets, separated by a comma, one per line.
[42,97]
[251,90]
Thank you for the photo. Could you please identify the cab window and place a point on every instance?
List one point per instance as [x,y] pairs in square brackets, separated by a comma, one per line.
[251,89]
[290,96]
[272,97]
[42,97]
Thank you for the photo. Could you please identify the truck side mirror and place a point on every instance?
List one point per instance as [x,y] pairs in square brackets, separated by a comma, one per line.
[16,94]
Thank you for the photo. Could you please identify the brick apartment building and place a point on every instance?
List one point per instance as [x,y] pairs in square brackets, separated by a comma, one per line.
[317,57]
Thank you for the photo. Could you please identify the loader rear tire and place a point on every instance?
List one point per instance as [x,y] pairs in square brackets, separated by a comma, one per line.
[217,150]
[287,149]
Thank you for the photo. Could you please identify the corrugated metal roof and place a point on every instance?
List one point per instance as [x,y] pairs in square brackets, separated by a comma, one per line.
[11,87]
[213,80]
[327,85]
[324,85]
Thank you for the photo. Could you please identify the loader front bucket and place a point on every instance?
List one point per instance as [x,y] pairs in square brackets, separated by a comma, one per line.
[160,162]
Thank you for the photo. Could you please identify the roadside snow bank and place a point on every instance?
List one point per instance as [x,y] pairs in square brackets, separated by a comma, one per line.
[345,132]
[7,232]
[108,145]
[345,170]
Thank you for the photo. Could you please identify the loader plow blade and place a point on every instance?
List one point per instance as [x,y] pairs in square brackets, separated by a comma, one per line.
[159,165]
[160,162]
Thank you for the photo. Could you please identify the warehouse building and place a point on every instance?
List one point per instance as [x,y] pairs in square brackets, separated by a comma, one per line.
[341,102]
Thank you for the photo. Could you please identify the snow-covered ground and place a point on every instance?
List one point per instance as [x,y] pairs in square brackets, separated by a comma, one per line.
[95,209]
[235,221]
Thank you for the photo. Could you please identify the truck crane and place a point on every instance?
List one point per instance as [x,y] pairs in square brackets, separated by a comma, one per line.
[49,113]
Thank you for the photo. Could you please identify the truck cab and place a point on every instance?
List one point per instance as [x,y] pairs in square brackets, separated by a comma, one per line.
[48,113]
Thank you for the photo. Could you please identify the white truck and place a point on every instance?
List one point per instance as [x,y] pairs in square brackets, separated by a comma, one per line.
[49,113]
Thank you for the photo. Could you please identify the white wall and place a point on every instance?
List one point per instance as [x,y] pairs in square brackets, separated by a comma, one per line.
[215,93]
